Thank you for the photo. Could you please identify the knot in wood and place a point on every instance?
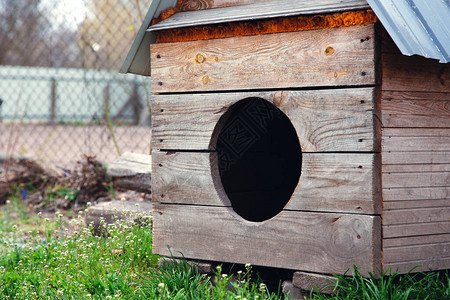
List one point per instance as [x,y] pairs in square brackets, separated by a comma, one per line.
[329,51]
[199,58]
[205,79]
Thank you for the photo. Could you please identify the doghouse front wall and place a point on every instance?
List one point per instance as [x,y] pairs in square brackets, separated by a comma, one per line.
[332,221]
[326,57]
[415,107]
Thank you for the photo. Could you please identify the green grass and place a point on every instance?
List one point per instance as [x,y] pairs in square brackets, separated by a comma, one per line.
[390,286]
[54,258]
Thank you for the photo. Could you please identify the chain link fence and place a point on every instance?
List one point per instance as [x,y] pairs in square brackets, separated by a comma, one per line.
[59,80]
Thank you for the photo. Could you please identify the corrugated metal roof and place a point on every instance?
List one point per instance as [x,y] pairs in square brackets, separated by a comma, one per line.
[263,10]
[138,58]
[417,26]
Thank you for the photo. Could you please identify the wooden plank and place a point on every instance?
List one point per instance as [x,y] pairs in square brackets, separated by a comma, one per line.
[416,132]
[325,120]
[416,113]
[190,5]
[415,252]
[415,229]
[312,281]
[320,242]
[329,182]
[325,57]
[416,168]
[419,143]
[260,10]
[395,205]
[422,158]
[416,240]
[424,179]
[132,171]
[416,139]
[416,97]
[413,215]
[422,265]
[416,193]
[414,73]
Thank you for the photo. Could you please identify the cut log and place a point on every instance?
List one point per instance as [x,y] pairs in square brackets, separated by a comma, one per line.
[132,171]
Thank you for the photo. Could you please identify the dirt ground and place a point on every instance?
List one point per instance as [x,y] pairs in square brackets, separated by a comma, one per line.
[60,147]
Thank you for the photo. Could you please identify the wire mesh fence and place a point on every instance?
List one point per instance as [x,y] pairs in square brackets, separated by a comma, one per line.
[59,80]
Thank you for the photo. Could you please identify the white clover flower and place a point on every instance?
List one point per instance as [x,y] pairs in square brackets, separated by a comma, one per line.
[161,286]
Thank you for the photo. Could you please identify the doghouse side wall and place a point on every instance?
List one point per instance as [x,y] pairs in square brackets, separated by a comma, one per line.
[332,220]
[416,161]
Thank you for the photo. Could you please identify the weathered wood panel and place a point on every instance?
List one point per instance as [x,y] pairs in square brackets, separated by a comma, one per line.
[416,240]
[416,252]
[329,182]
[416,139]
[411,216]
[414,73]
[326,57]
[395,205]
[423,158]
[424,179]
[326,120]
[429,264]
[320,242]
[191,5]
[415,229]
[417,168]
[416,113]
[416,193]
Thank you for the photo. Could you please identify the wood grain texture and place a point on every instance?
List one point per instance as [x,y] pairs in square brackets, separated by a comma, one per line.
[413,180]
[329,182]
[416,252]
[325,120]
[132,171]
[416,193]
[416,240]
[417,168]
[422,265]
[190,5]
[311,281]
[416,113]
[415,229]
[408,204]
[422,158]
[320,242]
[412,216]
[414,73]
[416,139]
[325,57]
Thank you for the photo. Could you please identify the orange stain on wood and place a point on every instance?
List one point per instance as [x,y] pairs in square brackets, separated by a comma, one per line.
[168,13]
[265,26]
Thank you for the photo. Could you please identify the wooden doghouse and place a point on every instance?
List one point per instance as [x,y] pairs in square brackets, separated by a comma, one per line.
[295,134]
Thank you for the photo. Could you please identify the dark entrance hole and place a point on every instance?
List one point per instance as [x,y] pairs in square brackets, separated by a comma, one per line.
[259,158]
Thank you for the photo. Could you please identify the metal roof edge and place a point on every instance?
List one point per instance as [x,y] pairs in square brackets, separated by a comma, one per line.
[416,27]
[138,57]
[263,10]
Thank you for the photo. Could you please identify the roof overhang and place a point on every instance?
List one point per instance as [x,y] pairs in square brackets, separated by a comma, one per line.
[138,58]
[417,26]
